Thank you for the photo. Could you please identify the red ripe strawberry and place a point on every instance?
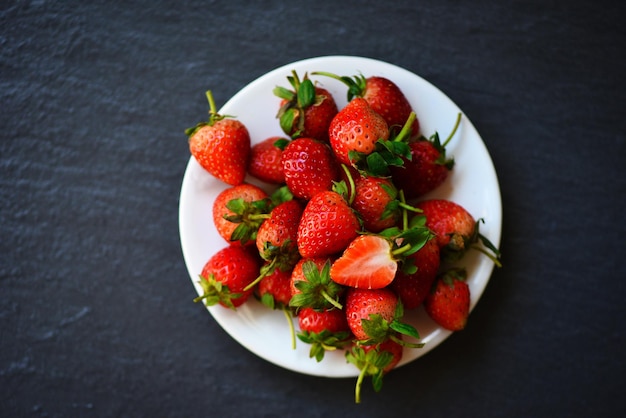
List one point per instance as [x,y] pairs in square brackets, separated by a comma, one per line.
[276,239]
[455,229]
[235,212]
[357,127]
[427,168]
[375,361]
[325,330]
[278,234]
[225,276]
[265,160]
[327,225]
[274,290]
[309,167]
[221,146]
[384,96]
[305,111]
[412,288]
[375,202]
[449,302]
[361,304]
[367,263]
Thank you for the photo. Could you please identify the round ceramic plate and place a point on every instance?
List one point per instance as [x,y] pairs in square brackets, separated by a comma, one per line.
[473,184]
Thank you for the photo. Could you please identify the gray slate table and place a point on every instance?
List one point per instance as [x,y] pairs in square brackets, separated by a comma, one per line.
[96,316]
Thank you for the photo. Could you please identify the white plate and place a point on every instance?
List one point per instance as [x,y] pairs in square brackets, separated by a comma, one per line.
[473,184]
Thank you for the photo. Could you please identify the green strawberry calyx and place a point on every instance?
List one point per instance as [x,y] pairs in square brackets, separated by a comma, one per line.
[318,291]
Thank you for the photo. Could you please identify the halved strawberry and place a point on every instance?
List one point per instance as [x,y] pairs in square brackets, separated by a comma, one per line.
[367,263]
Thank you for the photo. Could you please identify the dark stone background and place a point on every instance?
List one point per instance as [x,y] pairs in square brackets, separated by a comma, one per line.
[96,316]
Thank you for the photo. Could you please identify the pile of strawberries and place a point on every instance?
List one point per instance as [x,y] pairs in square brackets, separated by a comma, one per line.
[343,241]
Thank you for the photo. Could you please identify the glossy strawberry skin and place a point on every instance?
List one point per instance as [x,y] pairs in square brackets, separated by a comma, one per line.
[372,195]
[278,285]
[331,320]
[386,98]
[361,303]
[357,127]
[309,167]
[265,161]
[366,263]
[452,224]
[413,288]
[245,191]
[327,225]
[422,174]
[235,267]
[448,304]
[281,228]
[222,149]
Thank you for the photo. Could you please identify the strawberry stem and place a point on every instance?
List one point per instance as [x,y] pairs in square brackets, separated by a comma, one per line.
[292,329]
[456,126]
[359,383]
[265,270]
[352,188]
[406,129]
[331,300]
[212,106]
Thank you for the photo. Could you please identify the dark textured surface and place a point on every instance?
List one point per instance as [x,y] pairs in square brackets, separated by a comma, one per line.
[95,311]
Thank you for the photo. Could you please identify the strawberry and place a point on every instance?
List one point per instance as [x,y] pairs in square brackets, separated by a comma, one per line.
[265,160]
[455,229]
[276,239]
[449,302]
[427,168]
[309,167]
[375,202]
[327,225]
[277,235]
[305,111]
[412,288]
[221,146]
[374,360]
[226,274]
[383,95]
[311,286]
[235,212]
[374,315]
[367,263]
[325,330]
[274,289]
[356,128]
